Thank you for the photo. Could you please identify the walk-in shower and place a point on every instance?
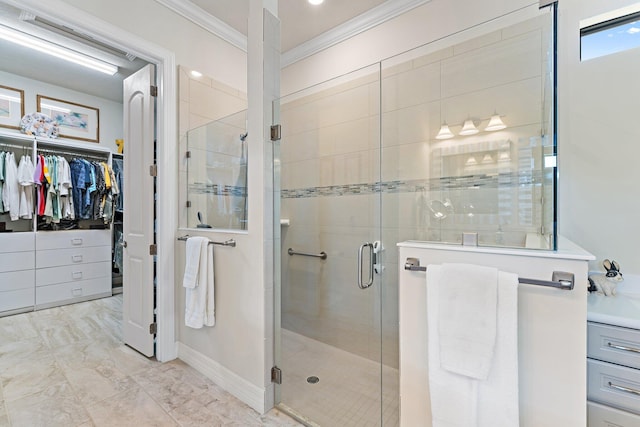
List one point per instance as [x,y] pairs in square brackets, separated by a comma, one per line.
[362,165]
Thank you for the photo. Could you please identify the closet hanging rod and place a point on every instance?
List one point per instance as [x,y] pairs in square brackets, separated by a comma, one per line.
[229,242]
[559,279]
[76,154]
[9,145]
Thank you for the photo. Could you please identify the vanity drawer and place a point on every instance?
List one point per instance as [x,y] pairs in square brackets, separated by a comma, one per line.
[605,416]
[72,239]
[613,344]
[15,280]
[58,257]
[613,385]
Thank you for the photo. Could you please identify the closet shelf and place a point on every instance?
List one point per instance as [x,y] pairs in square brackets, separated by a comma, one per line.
[57,143]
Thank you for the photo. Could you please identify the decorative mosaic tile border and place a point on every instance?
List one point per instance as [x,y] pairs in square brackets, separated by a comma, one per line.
[529,178]
[217,190]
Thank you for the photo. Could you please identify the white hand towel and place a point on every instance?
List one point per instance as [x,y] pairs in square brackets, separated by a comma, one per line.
[467,318]
[200,303]
[461,401]
[192,264]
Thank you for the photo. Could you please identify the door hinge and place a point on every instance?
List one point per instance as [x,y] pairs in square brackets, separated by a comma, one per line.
[153,249]
[188,154]
[153,328]
[276,132]
[153,170]
[276,375]
[188,203]
[153,90]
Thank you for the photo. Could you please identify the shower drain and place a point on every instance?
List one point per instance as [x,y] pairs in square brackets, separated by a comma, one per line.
[313,380]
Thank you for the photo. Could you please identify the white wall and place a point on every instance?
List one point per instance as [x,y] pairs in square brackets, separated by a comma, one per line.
[193,46]
[599,143]
[110,112]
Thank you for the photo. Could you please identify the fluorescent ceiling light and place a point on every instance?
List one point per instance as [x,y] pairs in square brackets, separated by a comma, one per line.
[316,2]
[32,42]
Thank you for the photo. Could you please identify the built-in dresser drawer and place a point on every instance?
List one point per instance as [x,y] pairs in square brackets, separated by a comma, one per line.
[72,239]
[16,242]
[613,385]
[16,261]
[613,344]
[605,416]
[17,299]
[60,257]
[72,273]
[15,280]
[71,290]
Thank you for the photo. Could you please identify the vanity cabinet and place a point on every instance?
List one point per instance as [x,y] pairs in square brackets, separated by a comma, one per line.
[613,374]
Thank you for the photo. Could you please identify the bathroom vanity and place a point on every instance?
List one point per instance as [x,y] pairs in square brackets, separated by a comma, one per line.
[551,331]
[613,358]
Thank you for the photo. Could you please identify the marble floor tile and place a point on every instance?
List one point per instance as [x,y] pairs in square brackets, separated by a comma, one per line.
[55,406]
[132,407]
[67,366]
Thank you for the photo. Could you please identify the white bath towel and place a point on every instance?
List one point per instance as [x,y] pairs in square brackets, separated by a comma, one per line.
[467,318]
[192,263]
[462,401]
[199,300]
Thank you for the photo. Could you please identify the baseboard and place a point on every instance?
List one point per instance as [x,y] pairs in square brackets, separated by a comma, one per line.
[252,395]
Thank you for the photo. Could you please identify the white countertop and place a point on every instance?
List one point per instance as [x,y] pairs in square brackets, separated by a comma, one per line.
[566,249]
[623,309]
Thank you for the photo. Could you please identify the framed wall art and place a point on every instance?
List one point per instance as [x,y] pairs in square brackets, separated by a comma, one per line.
[11,107]
[75,121]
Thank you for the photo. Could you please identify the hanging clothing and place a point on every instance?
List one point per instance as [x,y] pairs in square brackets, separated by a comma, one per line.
[11,190]
[25,179]
[2,155]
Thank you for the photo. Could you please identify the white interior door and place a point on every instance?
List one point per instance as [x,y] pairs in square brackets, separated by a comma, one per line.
[138,275]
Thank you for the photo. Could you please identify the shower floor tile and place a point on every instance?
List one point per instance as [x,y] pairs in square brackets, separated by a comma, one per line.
[348,391]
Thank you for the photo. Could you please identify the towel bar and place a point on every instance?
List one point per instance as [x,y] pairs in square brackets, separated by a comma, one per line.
[229,242]
[321,255]
[559,279]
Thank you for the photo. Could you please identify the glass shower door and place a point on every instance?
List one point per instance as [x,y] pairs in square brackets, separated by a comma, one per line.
[329,293]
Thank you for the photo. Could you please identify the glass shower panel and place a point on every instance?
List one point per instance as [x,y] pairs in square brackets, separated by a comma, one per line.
[217,174]
[330,328]
[493,175]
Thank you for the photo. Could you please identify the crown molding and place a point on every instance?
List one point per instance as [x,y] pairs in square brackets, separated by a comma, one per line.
[207,21]
[361,23]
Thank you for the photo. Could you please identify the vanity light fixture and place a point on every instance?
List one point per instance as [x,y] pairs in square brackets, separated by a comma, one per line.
[468,128]
[445,132]
[495,123]
[44,46]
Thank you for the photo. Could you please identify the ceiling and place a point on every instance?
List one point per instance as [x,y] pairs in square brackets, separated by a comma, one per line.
[300,23]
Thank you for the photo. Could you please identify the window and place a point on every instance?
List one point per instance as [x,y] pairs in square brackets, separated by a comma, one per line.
[610,36]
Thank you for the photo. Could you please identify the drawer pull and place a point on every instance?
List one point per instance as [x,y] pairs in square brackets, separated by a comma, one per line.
[77,275]
[623,348]
[76,242]
[76,258]
[76,292]
[625,389]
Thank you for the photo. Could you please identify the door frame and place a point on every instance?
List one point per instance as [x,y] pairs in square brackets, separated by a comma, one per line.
[166,131]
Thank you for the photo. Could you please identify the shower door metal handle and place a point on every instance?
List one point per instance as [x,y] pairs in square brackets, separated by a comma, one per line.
[361,283]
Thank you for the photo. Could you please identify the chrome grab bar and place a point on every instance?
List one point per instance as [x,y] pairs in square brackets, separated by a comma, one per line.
[321,255]
[229,242]
[559,279]
[361,284]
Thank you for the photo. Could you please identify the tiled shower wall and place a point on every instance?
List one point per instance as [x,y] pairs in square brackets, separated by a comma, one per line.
[360,163]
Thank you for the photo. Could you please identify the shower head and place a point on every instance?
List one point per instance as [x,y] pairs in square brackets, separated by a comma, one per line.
[243,136]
